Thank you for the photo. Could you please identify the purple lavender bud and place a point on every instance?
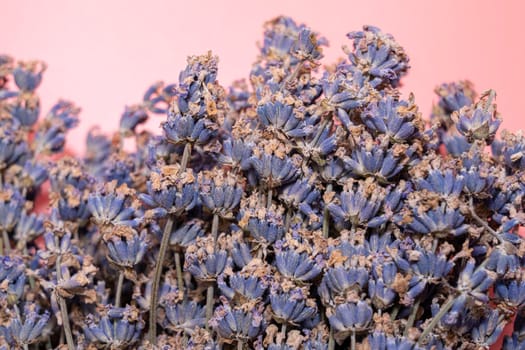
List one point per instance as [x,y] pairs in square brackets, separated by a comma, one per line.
[13,148]
[349,318]
[30,329]
[157,98]
[239,287]
[338,281]
[28,75]
[503,259]
[51,135]
[241,254]
[209,267]
[456,145]
[181,129]
[378,55]
[237,324]
[131,118]
[511,292]
[26,109]
[280,118]
[29,227]
[475,281]
[446,183]
[221,193]
[275,171]
[187,233]
[175,193]
[307,46]
[429,268]
[13,277]
[11,207]
[487,332]
[279,37]
[111,209]
[291,307]
[118,329]
[334,170]
[184,316]
[236,153]
[479,121]
[441,222]
[399,120]
[127,250]
[374,160]
[300,195]
[359,206]
[297,266]
[517,340]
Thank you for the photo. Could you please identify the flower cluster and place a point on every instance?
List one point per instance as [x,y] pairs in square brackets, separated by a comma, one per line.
[304,208]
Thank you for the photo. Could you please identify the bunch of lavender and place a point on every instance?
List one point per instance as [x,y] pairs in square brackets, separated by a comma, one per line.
[306,208]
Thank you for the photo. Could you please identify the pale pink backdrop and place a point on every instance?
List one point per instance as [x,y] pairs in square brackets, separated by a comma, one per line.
[103,54]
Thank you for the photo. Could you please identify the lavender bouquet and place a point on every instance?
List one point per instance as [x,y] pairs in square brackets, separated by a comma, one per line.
[307,208]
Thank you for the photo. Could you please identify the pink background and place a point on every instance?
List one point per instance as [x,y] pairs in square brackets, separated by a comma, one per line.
[103,54]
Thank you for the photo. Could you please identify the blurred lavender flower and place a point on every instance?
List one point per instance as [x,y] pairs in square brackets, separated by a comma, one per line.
[111,207]
[118,328]
[131,118]
[12,278]
[126,247]
[489,329]
[51,135]
[186,234]
[31,328]
[25,110]
[183,316]
[28,75]
[29,227]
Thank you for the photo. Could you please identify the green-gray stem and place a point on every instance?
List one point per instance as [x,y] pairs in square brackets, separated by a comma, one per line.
[269,199]
[444,309]
[118,294]
[185,157]
[211,288]
[411,318]
[326,215]
[156,280]
[331,342]
[481,221]
[209,303]
[62,302]
[7,243]
[178,268]
[215,230]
